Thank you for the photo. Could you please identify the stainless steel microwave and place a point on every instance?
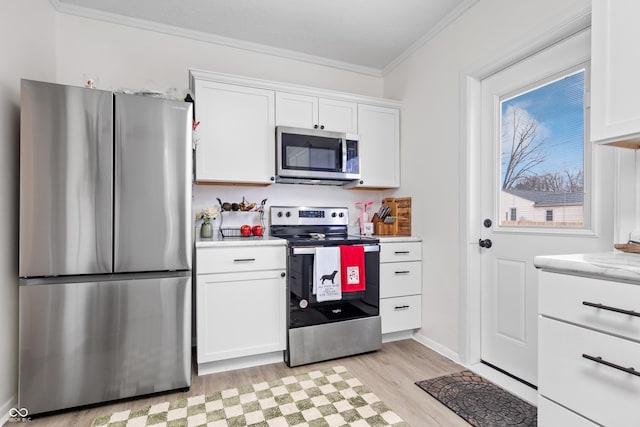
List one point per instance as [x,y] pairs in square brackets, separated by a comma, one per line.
[314,156]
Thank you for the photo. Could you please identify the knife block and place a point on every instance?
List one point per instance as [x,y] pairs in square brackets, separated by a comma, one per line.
[401,210]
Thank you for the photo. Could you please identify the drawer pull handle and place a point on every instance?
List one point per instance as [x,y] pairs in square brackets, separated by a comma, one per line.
[401,252]
[401,307]
[606,307]
[600,360]
[244,260]
[403,272]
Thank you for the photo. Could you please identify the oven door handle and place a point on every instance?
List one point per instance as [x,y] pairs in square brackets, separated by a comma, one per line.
[311,250]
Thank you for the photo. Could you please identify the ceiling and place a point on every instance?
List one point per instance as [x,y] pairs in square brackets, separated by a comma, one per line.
[367,36]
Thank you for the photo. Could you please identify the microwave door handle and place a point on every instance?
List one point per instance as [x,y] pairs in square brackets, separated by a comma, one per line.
[344,155]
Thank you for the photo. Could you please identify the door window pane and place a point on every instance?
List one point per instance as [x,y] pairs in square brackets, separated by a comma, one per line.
[542,154]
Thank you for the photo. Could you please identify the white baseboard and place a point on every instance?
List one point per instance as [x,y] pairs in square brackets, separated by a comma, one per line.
[437,347]
[4,409]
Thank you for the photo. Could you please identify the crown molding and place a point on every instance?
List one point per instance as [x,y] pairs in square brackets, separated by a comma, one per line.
[212,76]
[113,18]
[441,25]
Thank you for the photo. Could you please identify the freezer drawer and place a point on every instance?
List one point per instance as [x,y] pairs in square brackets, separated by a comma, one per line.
[90,342]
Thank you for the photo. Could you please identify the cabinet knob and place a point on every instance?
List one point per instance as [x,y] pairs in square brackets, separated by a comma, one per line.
[273,178]
[283,274]
[315,126]
[361,182]
[322,127]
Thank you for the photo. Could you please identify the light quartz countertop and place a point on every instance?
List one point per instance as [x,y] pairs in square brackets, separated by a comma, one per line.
[395,239]
[267,240]
[604,265]
[217,241]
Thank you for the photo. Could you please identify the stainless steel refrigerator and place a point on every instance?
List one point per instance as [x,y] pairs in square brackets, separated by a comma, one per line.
[105,246]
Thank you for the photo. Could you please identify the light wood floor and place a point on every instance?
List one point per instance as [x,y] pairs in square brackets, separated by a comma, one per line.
[389,373]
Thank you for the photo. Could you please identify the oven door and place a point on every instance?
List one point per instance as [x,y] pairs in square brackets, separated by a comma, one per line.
[305,310]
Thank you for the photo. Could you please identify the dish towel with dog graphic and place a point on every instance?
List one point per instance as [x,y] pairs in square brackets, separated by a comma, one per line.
[352,266]
[326,274]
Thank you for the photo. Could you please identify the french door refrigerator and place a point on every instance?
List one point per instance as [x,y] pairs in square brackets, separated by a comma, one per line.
[105,246]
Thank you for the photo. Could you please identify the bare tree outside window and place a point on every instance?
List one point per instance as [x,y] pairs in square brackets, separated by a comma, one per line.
[542,154]
[522,146]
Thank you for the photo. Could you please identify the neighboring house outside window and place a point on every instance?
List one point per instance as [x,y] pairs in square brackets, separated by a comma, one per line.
[549,215]
[544,208]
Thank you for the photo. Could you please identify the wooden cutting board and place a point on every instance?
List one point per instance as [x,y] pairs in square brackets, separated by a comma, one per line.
[628,247]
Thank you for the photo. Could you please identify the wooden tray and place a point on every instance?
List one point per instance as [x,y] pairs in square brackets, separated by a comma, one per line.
[628,247]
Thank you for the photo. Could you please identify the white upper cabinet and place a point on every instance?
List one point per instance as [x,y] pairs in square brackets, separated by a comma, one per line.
[236,133]
[615,110]
[311,112]
[379,136]
[300,111]
[338,116]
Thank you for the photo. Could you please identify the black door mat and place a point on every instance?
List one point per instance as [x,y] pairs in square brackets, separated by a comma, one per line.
[480,402]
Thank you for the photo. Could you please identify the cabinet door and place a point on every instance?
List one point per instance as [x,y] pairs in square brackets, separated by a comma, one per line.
[379,136]
[338,116]
[310,112]
[236,135]
[615,112]
[296,110]
[240,314]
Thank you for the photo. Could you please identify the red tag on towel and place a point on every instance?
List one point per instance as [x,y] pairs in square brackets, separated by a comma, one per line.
[352,268]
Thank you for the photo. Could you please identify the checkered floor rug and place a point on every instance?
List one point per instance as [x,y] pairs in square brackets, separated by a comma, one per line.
[329,397]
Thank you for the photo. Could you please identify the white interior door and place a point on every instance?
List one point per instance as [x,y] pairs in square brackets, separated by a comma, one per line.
[539,198]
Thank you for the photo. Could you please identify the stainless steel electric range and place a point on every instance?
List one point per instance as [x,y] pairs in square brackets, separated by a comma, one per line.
[323,330]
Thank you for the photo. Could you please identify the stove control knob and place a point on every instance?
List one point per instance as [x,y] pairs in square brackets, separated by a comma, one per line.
[333,215]
[341,214]
[280,214]
[288,214]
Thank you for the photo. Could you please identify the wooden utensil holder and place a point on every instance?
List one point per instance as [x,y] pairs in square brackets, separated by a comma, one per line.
[401,210]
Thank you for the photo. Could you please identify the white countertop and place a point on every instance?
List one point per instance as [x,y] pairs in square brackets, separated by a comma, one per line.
[605,265]
[217,240]
[267,240]
[395,239]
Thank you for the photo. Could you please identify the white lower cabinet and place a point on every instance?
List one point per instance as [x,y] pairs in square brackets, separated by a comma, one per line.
[400,286]
[240,315]
[588,356]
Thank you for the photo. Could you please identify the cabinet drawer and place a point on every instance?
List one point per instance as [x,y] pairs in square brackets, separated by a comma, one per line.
[562,296]
[400,278]
[601,393]
[401,313]
[400,251]
[237,259]
[552,415]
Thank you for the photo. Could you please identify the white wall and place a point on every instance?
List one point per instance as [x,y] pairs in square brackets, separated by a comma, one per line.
[126,57]
[428,83]
[27,50]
